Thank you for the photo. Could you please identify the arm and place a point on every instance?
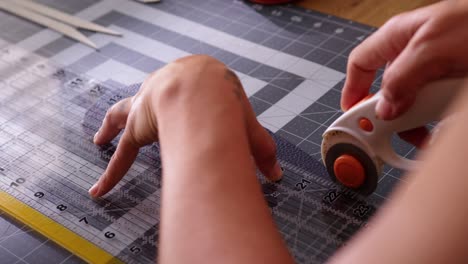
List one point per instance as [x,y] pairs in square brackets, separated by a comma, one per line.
[210,191]
[425,222]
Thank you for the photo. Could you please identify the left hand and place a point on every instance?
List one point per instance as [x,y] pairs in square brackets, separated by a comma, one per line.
[191,80]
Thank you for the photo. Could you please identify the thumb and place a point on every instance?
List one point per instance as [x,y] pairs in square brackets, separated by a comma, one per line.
[418,64]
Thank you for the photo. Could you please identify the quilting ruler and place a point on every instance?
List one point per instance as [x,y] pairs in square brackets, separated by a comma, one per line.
[48,162]
[55,93]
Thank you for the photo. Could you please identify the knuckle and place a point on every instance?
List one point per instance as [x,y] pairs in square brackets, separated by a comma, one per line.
[139,132]
[112,113]
[434,59]
[423,45]
[199,59]
[357,59]
[395,21]
[194,68]
[153,75]
[168,92]
[393,91]
[132,137]
[268,148]
[206,58]
[354,55]
[109,117]
[105,181]
[116,116]
[183,76]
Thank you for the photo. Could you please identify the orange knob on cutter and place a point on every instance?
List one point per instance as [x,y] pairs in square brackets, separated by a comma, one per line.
[349,171]
[365,124]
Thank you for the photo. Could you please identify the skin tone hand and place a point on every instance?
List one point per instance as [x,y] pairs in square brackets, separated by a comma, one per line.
[138,116]
[418,47]
[425,219]
[212,206]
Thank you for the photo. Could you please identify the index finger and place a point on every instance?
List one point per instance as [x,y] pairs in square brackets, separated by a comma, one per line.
[377,50]
[120,163]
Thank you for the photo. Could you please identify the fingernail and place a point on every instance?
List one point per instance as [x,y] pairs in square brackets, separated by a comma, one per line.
[94,190]
[95,136]
[385,110]
[277,173]
[344,108]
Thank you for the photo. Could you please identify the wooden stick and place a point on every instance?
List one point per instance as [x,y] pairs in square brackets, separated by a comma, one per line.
[64,17]
[45,21]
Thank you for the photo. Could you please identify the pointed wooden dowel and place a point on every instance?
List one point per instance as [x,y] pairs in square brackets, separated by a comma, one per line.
[64,17]
[45,21]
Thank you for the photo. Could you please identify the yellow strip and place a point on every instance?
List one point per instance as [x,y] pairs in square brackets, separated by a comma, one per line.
[55,231]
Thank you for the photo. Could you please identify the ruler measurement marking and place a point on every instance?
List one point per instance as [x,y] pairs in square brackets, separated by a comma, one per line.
[24,191]
[52,212]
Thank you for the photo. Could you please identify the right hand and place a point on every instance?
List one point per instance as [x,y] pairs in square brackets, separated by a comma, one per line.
[418,47]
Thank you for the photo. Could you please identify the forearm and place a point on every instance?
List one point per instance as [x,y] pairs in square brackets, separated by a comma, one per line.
[209,182]
[425,222]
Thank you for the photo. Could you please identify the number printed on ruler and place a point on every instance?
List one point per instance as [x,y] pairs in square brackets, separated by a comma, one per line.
[48,161]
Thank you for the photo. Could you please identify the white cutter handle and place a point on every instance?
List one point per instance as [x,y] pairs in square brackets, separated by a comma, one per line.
[430,105]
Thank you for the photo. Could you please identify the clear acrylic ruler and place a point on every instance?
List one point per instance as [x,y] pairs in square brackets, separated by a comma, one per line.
[48,161]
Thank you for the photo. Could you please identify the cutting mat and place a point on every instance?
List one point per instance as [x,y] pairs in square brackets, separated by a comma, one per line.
[291,62]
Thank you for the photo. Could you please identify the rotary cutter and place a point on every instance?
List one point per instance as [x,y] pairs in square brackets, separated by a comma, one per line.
[357,145]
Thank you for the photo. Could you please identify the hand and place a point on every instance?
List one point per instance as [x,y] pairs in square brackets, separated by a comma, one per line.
[418,47]
[191,78]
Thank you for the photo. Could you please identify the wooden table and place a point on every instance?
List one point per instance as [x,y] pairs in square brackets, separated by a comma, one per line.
[371,12]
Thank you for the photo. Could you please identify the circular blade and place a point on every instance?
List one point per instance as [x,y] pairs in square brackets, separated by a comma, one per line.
[336,144]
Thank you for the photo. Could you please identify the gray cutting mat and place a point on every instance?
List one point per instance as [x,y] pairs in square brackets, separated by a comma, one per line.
[291,62]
